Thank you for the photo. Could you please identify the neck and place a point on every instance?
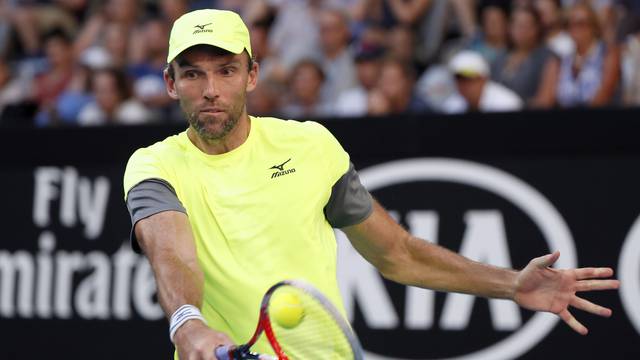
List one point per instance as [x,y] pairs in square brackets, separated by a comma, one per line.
[236,137]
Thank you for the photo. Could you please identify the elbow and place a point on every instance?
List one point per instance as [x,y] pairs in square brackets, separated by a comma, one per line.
[396,261]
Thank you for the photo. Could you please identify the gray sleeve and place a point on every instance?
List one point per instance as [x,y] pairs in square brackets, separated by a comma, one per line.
[150,197]
[350,203]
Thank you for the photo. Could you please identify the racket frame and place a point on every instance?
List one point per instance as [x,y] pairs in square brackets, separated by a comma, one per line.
[264,322]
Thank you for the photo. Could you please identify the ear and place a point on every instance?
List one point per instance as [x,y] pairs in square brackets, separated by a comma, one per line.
[170,84]
[252,79]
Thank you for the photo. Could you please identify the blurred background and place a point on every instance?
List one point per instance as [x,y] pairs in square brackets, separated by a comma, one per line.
[89,62]
[499,129]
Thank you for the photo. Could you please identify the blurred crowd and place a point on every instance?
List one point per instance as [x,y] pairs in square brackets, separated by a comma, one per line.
[90,62]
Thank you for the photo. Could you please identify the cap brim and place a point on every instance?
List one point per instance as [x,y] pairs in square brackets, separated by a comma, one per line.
[235,48]
[469,74]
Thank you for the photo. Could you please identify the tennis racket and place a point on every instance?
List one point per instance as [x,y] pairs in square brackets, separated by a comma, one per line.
[299,322]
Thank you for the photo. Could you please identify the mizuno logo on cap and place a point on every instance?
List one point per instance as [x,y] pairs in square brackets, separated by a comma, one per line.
[201,28]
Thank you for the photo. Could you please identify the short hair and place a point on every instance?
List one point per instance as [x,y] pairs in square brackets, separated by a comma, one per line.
[537,19]
[308,63]
[405,67]
[57,34]
[123,85]
[591,13]
[210,49]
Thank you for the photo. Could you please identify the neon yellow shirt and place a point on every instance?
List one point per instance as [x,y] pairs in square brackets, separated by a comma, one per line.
[256,213]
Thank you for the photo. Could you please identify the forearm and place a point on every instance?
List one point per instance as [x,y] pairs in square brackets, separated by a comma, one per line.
[178,284]
[406,259]
[431,266]
[167,241]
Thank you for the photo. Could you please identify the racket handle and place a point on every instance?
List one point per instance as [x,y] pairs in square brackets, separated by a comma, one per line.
[227,352]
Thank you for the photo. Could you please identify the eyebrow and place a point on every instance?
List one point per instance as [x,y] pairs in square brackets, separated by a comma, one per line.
[184,63]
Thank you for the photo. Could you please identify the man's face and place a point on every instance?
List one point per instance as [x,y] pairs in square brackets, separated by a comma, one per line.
[106,91]
[471,89]
[368,72]
[393,83]
[212,89]
[334,34]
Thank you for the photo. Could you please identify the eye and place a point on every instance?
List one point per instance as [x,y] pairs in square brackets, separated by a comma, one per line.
[190,74]
[229,70]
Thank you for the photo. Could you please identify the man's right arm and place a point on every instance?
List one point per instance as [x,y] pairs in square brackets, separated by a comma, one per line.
[167,240]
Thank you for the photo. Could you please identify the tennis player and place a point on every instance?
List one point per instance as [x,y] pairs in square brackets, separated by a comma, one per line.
[236,203]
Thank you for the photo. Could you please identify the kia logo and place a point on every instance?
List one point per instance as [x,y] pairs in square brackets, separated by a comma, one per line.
[362,286]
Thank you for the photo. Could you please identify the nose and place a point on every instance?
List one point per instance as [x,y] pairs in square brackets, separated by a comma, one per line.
[211,89]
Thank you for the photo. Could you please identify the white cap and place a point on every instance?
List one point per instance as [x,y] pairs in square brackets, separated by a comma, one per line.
[469,64]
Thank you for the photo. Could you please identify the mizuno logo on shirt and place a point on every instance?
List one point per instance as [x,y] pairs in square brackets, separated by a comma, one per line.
[280,170]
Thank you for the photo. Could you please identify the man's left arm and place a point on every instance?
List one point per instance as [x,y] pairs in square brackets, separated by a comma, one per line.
[403,258]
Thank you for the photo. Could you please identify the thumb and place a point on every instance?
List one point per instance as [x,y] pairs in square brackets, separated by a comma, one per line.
[548,260]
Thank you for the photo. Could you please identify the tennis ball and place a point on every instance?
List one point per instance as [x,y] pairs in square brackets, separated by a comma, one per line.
[286,309]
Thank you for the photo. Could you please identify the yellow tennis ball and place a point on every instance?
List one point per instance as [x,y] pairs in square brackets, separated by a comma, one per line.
[286,309]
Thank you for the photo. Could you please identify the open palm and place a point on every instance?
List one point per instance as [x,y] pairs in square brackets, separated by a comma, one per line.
[542,288]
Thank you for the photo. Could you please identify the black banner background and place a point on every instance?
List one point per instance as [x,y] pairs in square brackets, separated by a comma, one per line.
[584,162]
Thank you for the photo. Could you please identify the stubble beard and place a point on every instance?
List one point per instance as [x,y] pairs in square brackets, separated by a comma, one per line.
[209,133]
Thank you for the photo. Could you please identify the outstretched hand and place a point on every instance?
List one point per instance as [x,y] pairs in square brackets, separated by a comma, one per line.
[542,288]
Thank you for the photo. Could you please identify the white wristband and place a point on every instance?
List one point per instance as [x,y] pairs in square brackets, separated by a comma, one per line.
[182,315]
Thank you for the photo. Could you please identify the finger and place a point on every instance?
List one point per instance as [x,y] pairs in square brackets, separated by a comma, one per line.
[591,272]
[566,316]
[223,352]
[586,305]
[591,285]
[547,260]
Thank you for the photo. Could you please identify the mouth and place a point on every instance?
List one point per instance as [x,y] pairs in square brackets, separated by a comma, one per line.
[211,111]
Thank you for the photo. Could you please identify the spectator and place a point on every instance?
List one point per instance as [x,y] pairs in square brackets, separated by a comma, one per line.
[437,88]
[491,42]
[354,102]
[389,14]
[265,99]
[631,68]
[70,102]
[396,83]
[555,36]
[521,69]
[378,104]
[116,43]
[590,76]
[471,72]
[305,96]
[401,42]
[294,35]
[31,20]
[52,82]
[605,14]
[122,13]
[13,90]
[270,67]
[337,57]
[113,103]
[147,68]
[171,10]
